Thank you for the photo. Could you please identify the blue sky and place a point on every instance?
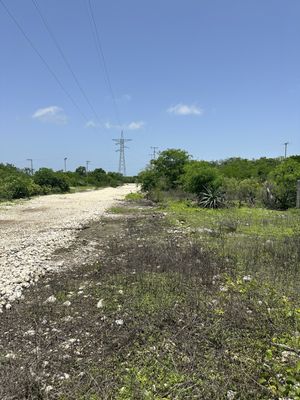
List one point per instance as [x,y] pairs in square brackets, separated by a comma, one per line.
[219,78]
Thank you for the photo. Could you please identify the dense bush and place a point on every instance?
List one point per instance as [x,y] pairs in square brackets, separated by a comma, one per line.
[169,167]
[54,180]
[267,181]
[149,179]
[199,176]
[284,178]
[16,183]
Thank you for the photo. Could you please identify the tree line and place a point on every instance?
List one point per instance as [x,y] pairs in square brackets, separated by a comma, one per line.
[18,183]
[268,182]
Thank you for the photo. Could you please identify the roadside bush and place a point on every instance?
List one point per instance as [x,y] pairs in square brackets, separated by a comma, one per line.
[54,180]
[169,166]
[149,179]
[17,187]
[14,187]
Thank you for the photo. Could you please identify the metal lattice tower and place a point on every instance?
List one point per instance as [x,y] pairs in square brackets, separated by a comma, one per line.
[121,143]
[153,155]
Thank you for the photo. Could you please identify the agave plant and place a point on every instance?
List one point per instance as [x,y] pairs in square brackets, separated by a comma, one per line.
[211,197]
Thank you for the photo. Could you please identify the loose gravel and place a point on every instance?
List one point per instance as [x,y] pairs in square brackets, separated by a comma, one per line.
[31,233]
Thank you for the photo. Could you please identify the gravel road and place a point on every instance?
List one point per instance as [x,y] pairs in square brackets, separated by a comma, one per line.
[31,232]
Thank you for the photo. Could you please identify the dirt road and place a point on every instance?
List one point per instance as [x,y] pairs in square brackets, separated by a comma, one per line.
[31,232]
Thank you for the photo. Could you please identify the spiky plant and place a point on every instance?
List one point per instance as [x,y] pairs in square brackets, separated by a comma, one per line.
[211,197]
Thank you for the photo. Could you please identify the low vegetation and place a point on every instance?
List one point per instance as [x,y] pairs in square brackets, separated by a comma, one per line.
[181,303]
[194,294]
[16,183]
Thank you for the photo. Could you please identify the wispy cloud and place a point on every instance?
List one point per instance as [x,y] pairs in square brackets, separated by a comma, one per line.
[92,124]
[132,126]
[135,125]
[51,114]
[185,109]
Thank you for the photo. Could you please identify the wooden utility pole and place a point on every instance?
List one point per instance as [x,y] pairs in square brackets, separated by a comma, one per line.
[298,194]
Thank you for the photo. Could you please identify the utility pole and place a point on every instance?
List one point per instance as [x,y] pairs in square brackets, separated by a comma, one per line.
[31,165]
[65,164]
[87,166]
[153,155]
[285,148]
[121,143]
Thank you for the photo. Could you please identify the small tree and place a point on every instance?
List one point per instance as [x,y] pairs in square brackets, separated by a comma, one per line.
[199,176]
[148,179]
[169,166]
[284,179]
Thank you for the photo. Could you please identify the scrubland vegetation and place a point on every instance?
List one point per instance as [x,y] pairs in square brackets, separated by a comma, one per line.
[16,183]
[182,302]
[194,294]
[266,182]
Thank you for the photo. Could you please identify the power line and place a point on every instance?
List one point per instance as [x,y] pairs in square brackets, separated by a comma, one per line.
[101,56]
[67,63]
[50,70]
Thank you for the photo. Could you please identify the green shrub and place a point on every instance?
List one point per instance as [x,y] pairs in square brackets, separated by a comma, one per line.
[149,179]
[284,179]
[169,166]
[15,187]
[55,180]
[248,191]
[199,176]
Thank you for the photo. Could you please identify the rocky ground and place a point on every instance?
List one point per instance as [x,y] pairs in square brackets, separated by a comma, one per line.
[33,231]
[146,308]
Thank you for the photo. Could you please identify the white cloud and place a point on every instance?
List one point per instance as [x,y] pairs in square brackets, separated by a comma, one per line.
[92,124]
[132,126]
[51,114]
[108,125]
[185,109]
[135,125]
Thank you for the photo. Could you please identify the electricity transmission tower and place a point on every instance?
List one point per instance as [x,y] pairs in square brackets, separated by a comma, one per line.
[121,144]
[153,155]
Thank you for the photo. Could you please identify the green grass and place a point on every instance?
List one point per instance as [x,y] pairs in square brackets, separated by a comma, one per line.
[240,221]
[134,196]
